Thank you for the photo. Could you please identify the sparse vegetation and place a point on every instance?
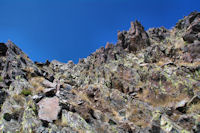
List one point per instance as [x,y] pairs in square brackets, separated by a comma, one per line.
[26,92]
[194,108]
[149,81]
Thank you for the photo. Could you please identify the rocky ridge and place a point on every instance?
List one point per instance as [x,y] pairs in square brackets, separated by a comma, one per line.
[149,82]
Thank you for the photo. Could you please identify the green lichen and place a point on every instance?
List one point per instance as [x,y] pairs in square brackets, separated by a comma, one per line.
[26,92]
[76,122]
[29,121]
[1,79]
[156,115]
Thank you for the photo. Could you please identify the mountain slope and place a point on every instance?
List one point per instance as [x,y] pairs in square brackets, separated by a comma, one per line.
[148,82]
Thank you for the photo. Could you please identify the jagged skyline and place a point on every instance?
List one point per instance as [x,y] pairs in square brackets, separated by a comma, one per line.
[69,30]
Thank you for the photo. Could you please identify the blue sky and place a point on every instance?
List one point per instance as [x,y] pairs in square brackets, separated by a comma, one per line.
[72,29]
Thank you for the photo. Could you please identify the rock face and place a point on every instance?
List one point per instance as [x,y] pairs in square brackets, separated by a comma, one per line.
[149,82]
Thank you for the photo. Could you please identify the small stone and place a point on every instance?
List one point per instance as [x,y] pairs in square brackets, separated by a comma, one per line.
[37,98]
[67,87]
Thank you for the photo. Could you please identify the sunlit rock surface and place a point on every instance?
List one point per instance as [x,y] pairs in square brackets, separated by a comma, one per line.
[148,82]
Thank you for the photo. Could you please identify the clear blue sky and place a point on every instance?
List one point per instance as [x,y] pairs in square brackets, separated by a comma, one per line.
[72,29]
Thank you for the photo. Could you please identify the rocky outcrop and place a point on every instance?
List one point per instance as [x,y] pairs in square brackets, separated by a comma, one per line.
[188,20]
[148,82]
[192,31]
[134,39]
[158,34]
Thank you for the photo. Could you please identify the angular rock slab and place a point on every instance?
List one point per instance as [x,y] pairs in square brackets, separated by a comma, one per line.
[49,109]
[75,121]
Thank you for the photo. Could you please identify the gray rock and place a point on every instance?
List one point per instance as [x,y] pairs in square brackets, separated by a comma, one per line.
[49,84]
[76,122]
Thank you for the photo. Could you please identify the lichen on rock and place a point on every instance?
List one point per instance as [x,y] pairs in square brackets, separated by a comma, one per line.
[148,82]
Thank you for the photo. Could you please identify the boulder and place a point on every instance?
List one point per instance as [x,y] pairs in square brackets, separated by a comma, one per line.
[74,121]
[49,109]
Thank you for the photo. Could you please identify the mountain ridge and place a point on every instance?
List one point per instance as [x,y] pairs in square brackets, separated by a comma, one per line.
[149,81]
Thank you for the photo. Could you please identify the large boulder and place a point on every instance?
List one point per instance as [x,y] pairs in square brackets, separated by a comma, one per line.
[49,109]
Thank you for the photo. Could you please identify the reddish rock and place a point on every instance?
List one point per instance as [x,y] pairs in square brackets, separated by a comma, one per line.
[135,39]
[138,37]
[49,109]
[109,46]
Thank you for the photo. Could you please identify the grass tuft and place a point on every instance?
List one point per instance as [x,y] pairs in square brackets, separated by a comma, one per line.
[26,92]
